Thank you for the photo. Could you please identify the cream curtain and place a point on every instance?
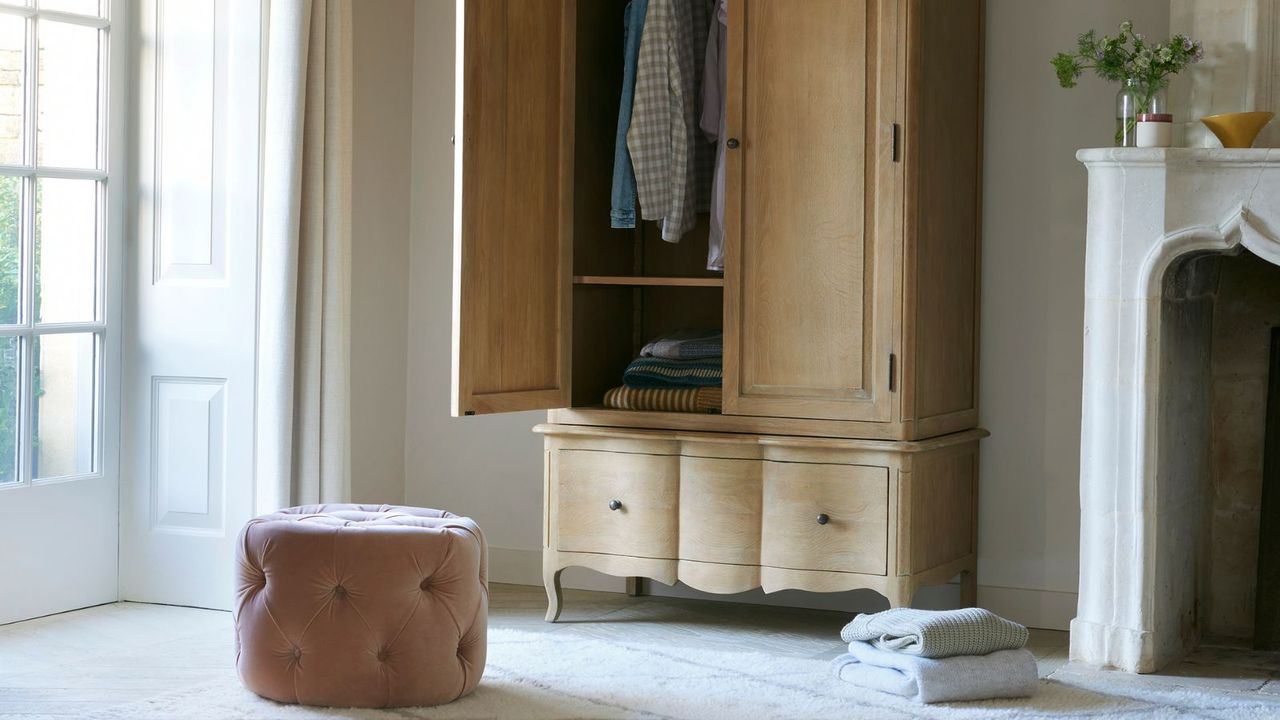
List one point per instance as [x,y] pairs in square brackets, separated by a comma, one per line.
[303,405]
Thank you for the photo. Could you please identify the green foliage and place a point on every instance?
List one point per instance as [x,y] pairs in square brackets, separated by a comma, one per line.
[1127,56]
[10,270]
[10,207]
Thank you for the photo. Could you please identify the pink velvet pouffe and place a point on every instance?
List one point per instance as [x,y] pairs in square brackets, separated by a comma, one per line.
[361,606]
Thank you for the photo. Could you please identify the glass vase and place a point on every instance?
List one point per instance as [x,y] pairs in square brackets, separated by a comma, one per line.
[1136,97]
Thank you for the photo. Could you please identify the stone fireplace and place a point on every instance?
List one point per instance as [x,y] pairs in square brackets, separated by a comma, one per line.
[1182,290]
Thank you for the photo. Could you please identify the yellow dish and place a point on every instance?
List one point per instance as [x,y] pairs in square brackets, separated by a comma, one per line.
[1237,130]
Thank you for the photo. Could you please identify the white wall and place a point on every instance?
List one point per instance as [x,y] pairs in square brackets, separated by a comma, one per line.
[1033,295]
[383,79]
[1033,246]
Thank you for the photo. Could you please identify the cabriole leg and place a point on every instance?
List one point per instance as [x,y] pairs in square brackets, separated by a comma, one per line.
[968,588]
[551,580]
[635,586]
[901,597]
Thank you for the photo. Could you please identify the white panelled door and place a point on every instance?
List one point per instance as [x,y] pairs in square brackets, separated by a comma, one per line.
[61,66]
[189,363]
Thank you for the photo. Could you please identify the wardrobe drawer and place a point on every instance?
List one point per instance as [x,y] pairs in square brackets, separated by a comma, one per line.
[720,510]
[825,517]
[616,503]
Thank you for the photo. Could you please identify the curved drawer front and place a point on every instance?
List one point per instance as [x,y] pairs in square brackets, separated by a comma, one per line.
[853,502]
[645,489]
[720,510]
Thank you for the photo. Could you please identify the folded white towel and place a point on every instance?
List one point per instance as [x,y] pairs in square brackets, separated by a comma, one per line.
[1001,674]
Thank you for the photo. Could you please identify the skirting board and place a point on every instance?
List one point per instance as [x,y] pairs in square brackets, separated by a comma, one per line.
[1046,609]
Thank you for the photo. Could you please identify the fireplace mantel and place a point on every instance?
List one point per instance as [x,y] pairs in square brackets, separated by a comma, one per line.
[1147,209]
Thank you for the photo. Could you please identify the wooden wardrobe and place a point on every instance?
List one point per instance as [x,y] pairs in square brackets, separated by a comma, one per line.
[846,452]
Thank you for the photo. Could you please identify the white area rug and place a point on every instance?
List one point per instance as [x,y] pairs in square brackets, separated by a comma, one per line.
[565,676]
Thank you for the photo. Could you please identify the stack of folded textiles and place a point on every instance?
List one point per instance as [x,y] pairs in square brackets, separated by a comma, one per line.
[680,372]
[938,656]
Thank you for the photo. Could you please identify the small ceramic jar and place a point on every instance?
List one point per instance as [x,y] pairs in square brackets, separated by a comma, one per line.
[1155,130]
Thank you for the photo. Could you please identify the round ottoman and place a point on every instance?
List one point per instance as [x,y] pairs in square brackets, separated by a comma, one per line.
[361,605]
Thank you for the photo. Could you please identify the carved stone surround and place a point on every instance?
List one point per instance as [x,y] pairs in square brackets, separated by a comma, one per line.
[1143,463]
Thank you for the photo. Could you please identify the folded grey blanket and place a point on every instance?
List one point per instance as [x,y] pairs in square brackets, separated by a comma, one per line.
[686,345]
[936,633]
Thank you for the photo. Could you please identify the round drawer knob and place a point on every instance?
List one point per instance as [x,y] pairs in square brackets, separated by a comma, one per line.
[615,504]
[732,143]
[823,519]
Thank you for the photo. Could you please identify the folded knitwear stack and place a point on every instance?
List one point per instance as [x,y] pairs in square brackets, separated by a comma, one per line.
[690,399]
[938,656]
[679,372]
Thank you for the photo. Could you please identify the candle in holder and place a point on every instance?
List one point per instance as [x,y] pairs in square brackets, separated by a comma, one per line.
[1155,130]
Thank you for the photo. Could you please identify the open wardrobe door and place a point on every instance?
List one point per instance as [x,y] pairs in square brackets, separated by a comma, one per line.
[513,206]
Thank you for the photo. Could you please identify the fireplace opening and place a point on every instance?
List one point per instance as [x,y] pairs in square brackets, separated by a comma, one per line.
[1219,437]
[1266,632]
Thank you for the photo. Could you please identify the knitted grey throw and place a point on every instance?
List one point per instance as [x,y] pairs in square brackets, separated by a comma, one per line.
[936,633]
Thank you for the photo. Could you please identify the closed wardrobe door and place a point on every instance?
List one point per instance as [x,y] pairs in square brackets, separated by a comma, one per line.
[811,184]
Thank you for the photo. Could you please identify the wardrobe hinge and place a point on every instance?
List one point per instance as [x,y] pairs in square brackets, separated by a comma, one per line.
[893,372]
[893,141]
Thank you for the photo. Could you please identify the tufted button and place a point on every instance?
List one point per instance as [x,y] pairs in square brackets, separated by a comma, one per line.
[339,591]
[425,585]
[383,654]
[297,653]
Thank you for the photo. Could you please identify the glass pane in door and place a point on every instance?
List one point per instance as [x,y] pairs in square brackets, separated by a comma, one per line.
[66,244]
[9,410]
[65,390]
[13,96]
[81,7]
[10,249]
[67,95]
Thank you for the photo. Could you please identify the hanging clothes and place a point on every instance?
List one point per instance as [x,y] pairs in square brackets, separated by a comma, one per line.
[623,212]
[714,80]
[704,151]
[668,153]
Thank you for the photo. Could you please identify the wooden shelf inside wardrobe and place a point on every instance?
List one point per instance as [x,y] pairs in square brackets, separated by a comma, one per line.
[648,281]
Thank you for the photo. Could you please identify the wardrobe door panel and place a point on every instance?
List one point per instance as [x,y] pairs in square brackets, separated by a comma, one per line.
[513,210]
[809,273]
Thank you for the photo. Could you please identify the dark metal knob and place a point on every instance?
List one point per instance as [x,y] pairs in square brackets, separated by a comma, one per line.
[732,143]
[615,504]
[823,519]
